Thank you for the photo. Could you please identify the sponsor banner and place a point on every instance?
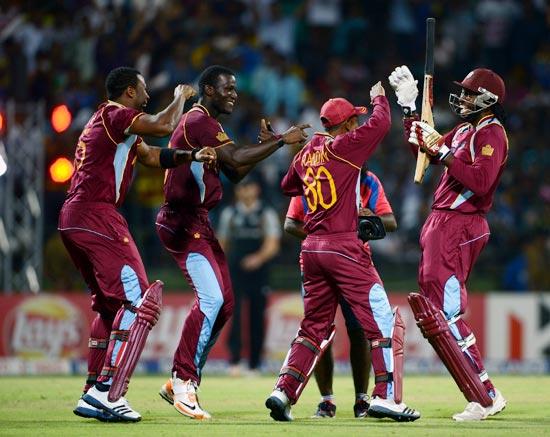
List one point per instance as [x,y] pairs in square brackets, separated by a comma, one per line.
[519,326]
[48,333]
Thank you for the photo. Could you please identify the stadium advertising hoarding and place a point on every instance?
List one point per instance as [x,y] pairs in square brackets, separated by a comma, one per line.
[48,333]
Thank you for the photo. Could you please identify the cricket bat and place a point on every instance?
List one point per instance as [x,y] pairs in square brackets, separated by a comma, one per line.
[422,159]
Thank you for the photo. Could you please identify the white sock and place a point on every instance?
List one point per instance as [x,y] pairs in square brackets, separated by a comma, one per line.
[327,398]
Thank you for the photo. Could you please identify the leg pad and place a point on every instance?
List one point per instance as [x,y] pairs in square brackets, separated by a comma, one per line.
[434,327]
[148,313]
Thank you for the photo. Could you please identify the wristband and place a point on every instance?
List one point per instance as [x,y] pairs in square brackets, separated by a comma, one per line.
[194,154]
[409,111]
[167,158]
[280,142]
[443,153]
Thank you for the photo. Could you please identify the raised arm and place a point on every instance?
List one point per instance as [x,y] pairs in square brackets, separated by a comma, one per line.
[163,157]
[164,122]
[236,161]
[377,126]
[362,142]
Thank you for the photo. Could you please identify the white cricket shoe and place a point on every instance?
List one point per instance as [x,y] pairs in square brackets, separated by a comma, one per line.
[84,409]
[120,408]
[382,408]
[186,402]
[279,404]
[474,411]
[499,403]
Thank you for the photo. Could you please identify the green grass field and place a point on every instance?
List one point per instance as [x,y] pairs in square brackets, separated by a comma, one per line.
[43,406]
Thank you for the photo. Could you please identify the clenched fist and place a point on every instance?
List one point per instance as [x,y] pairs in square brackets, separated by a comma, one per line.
[187,91]
[429,140]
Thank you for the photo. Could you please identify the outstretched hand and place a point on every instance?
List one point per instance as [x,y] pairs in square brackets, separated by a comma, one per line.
[377,90]
[266,132]
[296,134]
[206,154]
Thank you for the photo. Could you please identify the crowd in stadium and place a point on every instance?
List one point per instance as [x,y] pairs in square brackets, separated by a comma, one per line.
[290,56]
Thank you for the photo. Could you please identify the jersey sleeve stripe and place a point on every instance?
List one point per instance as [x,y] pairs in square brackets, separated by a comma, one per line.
[105,127]
[184,127]
[132,122]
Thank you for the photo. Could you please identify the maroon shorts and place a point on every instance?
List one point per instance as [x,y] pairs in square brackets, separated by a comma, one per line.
[450,243]
[99,243]
[337,266]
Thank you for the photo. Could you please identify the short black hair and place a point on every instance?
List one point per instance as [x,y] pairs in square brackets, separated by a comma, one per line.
[119,79]
[210,76]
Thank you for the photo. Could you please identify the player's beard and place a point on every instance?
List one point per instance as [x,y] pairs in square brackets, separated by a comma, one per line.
[471,117]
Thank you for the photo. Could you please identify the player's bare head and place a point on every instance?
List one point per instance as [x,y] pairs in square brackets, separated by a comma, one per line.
[127,86]
[339,116]
[482,91]
[218,89]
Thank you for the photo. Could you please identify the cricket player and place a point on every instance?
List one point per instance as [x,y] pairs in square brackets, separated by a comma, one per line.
[373,203]
[474,153]
[191,191]
[335,265]
[100,244]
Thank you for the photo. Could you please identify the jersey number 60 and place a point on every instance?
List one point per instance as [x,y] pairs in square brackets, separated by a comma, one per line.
[314,188]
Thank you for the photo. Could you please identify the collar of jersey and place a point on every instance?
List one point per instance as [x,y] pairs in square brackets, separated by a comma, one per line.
[111,102]
[198,107]
[488,119]
[325,134]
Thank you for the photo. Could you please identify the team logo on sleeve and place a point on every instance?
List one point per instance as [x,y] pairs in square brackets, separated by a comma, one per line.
[487,150]
[222,136]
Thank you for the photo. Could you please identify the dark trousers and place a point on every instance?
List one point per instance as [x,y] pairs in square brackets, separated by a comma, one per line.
[251,289]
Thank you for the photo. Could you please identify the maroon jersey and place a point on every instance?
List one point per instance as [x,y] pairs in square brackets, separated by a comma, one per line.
[195,184]
[327,170]
[105,156]
[468,185]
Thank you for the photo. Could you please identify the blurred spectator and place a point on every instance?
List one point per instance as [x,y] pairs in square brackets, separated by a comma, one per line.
[291,55]
[249,233]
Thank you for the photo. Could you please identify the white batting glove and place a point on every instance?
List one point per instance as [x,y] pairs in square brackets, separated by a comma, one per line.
[429,140]
[405,87]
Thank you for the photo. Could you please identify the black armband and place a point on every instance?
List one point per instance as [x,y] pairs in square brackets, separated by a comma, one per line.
[167,158]
[281,142]
[194,154]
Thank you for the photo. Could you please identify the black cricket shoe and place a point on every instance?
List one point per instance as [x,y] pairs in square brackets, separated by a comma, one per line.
[279,405]
[361,408]
[325,409]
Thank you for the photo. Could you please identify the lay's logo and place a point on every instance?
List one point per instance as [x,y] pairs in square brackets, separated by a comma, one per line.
[45,327]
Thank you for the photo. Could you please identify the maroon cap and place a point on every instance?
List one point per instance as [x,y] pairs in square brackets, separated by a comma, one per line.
[337,110]
[486,79]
